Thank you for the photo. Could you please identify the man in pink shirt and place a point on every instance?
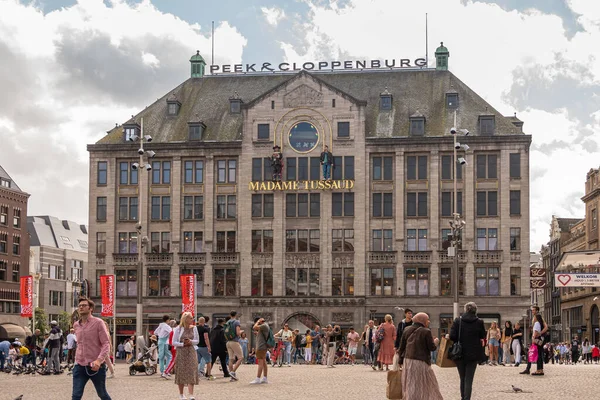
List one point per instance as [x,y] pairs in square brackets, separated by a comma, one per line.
[353,339]
[93,345]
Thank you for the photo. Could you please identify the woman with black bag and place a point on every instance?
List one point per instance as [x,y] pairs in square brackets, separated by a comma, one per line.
[468,334]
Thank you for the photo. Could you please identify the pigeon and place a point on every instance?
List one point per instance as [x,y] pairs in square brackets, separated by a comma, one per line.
[19,398]
[516,389]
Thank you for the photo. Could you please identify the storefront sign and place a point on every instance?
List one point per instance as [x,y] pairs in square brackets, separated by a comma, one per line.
[537,283]
[188,295]
[577,280]
[537,273]
[107,290]
[317,66]
[300,185]
[124,321]
[27,296]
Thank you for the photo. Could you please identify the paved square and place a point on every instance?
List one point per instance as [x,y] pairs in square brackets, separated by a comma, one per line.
[343,382]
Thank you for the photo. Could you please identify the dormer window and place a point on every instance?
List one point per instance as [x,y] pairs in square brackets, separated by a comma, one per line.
[173,105]
[385,100]
[5,183]
[235,104]
[417,126]
[487,125]
[131,131]
[196,130]
[452,100]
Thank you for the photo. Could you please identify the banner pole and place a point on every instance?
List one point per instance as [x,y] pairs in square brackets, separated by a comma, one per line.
[195,299]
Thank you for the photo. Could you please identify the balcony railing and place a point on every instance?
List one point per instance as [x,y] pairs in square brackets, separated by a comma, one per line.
[159,258]
[192,258]
[225,258]
[416,256]
[383,257]
[125,259]
[444,258]
[487,256]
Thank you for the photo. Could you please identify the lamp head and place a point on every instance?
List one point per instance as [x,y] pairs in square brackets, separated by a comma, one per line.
[148,138]
[135,166]
[150,153]
[148,167]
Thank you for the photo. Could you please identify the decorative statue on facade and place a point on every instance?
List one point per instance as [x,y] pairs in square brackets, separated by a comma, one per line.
[277,163]
[327,163]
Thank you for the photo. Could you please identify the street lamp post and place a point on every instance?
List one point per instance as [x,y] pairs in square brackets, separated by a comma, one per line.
[141,240]
[457,224]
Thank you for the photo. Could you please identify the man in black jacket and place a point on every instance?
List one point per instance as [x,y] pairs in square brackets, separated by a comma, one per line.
[218,345]
[54,346]
[327,163]
[405,323]
[470,332]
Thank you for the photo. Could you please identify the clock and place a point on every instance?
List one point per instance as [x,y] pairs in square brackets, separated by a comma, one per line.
[303,137]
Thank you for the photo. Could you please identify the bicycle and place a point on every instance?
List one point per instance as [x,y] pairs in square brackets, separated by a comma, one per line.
[278,353]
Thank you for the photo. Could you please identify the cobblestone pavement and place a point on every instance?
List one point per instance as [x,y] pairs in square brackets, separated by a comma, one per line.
[343,382]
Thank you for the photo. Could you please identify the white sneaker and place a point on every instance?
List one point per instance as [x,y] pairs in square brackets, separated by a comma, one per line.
[255,381]
[111,376]
[233,376]
[264,380]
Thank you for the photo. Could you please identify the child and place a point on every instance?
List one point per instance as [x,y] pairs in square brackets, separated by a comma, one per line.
[308,348]
[595,353]
[12,355]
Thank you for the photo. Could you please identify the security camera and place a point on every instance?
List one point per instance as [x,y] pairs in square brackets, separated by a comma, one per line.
[465,132]
[457,146]
[462,161]
[138,227]
[453,131]
[148,167]
[150,153]
[135,166]
[140,151]
[133,138]
[465,147]
[148,138]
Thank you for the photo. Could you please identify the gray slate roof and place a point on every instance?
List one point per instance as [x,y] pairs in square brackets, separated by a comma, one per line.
[50,231]
[6,176]
[414,91]
[565,224]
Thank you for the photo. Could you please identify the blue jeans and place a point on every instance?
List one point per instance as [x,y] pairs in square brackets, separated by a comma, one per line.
[164,355]
[2,359]
[296,353]
[288,351]
[326,171]
[81,375]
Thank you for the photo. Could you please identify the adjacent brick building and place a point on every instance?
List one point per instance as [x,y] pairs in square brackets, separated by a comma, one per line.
[304,251]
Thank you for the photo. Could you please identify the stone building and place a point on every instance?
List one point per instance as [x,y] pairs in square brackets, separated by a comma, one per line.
[14,256]
[303,250]
[58,262]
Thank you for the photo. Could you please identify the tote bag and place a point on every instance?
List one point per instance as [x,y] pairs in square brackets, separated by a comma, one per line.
[394,385]
[533,354]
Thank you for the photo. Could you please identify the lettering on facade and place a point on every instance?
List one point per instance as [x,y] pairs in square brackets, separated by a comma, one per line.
[124,321]
[303,95]
[300,185]
[266,315]
[343,317]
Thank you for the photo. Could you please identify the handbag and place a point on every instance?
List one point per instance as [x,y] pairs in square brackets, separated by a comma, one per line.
[393,389]
[532,354]
[456,351]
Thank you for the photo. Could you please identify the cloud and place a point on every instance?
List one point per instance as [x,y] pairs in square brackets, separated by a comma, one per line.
[273,15]
[69,75]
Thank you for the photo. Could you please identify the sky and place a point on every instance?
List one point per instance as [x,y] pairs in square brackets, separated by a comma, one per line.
[70,70]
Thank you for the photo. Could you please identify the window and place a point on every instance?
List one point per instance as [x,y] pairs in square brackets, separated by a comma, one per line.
[261,169]
[3,242]
[4,215]
[297,205]
[445,240]
[16,272]
[385,102]
[160,208]
[262,282]
[447,167]
[342,281]
[128,208]
[193,207]
[487,166]
[301,281]
[127,175]
[76,270]
[302,240]
[16,245]
[382,281]
[16,218]
[158,282]
[446,287]
[515,239]
[226,241]
[448,202]
[382,240]
[515,202]
[193,171]
[100,243]
[315,204]
[172,108]
[225,282]
[487,281]
[487,239]
[131,132]
[422,240]
[343,129]
[414,243]
[342,204]
[343,240]
[56,271]
[452,100]
[195,131]
[102,172]
[160,242]
[594,218]
[165,176]
[263,132]
[291,169]
[487,204]
[343,168]
[417,126]
[55,298]
[101,208]
[382,205]
[192,242]
[417,281]
[262,205]
[349,167]
[226,206]
[383,168]
[487,125]
[315,168]
[302,168]
[515,281]
[515,165]
[416,204]
[3,268]
[416,167]
[126,282]
[226,171]
[262,241]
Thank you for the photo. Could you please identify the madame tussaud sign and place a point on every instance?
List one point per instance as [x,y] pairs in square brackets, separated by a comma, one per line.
[300,185]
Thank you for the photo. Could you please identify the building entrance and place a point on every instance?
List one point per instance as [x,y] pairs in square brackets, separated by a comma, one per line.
[302,321]
[595,322]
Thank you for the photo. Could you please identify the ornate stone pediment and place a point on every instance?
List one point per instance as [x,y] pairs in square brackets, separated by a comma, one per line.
[343,317]
[309,260]
[303,95]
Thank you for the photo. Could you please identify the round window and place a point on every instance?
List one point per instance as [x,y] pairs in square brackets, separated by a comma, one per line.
[303,137]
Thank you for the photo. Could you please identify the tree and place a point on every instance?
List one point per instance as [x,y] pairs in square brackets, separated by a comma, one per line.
[64,321]
[41,320]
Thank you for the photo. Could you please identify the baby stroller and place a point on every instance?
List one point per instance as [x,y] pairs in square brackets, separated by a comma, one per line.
[144,363]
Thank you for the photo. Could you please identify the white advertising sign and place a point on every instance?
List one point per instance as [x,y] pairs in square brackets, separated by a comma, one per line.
[577,280]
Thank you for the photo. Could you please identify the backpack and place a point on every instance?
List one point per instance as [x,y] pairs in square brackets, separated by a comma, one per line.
[270,339]
[29,341]
[303,341]
[230,333]
[380,334]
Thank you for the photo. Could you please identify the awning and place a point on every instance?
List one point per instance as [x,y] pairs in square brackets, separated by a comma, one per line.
[579,260]
[11,332]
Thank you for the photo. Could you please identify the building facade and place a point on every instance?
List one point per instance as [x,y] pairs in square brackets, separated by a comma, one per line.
[304,250]
[14,256]
[58,263]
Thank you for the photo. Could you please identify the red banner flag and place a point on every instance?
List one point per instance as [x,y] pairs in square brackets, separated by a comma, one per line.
[27,296]
[188,293]
[107,289]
